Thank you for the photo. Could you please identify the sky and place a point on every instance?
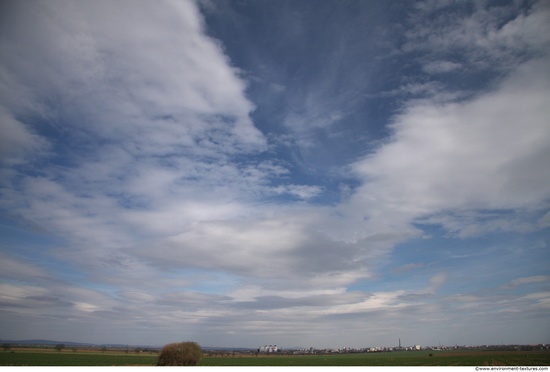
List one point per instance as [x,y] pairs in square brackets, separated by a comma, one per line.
[299,173]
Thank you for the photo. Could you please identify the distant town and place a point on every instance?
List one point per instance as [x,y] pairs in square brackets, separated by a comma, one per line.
[271,349]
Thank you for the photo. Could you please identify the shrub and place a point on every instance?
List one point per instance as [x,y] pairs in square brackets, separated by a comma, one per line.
[180,354]
[59,347]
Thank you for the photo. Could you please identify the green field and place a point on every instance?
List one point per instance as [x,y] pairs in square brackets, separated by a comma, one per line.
[422,358]
[52,358]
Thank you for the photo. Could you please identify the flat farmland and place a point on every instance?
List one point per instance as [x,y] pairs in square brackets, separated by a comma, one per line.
[48,357]
[421,358]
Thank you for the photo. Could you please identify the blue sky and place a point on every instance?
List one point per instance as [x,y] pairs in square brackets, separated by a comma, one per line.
[299,173]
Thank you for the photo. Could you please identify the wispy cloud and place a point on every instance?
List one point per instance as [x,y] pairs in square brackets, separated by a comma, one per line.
[486,37]
[527,280]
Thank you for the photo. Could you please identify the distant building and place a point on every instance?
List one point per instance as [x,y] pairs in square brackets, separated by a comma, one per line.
[268,349]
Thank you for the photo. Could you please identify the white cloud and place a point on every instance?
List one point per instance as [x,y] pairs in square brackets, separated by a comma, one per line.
[86,307]
[17,141]
[15,295]
[477,223]
[301,191]
[477,35]
[268,248]
[149,114]
[440,67]
[93,59]
[480,154]
[20,270]
[527,280]
[437,281]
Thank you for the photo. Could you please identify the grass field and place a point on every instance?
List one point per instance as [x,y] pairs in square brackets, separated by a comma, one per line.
[69,358]
[465,358]
[422,358]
